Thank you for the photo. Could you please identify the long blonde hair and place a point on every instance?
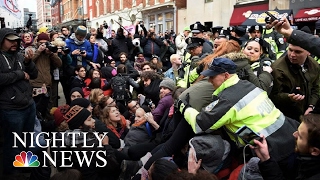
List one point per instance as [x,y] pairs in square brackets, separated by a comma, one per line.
[94,94]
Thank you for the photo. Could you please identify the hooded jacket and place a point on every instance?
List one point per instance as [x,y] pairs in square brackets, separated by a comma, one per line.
[15,90]
[245,72]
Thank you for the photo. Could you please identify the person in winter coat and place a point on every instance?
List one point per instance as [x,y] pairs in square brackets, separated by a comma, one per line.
[133,73]
[181,41]
[79,121]
[98,55]
[167,85]
[140,132]
[307,147]
[259,62]
[120,44]
[17,107]
[109,70]
[151,44]
[296,82]
[80,48]
[151,81]
[245,71]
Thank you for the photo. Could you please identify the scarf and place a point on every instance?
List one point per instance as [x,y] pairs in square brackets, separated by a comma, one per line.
[76,41]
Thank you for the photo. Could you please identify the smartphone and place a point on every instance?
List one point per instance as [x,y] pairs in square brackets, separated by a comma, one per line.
[142,99]
[296,90]
[271,16]
[247,135]
[82,52]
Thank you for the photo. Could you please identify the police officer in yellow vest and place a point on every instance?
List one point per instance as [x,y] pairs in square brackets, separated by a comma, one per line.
[275,39]
[194,47]
[236,103]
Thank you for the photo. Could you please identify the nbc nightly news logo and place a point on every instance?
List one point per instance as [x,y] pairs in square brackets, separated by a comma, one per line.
[27,159]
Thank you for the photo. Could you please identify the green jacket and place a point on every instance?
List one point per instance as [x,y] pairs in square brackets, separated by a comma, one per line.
[245,72]
[288,76]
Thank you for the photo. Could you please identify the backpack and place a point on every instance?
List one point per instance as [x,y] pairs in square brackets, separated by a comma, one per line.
[119,85]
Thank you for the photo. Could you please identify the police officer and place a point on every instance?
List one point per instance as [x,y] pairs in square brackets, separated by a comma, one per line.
[197,30]
[239,33]
[194,47]
[256,32]
[236,103]
[275,39]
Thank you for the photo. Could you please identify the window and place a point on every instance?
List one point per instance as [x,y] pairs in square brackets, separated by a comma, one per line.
[160,17]
[90,2]
[112,5]
[147,2]
[169,25]
[156,2]
[121,4]
[98,8]
[134,2]
[104,6]
[206,1]
[152,18]
[169,15]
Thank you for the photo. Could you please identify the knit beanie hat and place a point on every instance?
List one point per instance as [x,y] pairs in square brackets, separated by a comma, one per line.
[210,148]
[43,36]
[168,83]
[58,114]
[81,31]
[82,102]
[77,89]
[76,116]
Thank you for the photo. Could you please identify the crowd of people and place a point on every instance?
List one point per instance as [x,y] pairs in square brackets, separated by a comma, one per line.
[166,105]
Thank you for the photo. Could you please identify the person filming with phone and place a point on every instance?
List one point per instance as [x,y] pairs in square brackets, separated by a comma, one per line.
[307,147]
[296,82]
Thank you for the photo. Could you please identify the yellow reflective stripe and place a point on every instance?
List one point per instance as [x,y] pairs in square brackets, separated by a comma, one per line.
[251,96]
[191,117]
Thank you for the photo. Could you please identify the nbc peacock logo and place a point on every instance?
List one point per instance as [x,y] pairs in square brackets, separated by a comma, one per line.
[26,159]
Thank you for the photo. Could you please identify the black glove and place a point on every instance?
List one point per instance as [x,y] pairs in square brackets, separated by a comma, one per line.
[200,68]
[181,105]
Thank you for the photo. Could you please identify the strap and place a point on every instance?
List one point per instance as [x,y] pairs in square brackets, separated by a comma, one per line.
[148,129]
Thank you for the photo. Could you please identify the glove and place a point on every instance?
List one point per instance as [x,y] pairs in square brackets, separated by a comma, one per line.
[200,68]
[181,105]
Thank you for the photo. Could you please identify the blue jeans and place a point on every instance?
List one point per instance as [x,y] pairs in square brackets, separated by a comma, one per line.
[18,121]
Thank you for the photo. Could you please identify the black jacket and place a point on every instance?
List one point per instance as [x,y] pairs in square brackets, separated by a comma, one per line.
[15,90]
[307,169]
[118,45]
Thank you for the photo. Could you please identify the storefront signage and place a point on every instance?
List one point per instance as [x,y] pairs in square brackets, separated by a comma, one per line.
[260,17]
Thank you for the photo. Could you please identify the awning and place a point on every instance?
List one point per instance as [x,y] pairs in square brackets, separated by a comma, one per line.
[258,17]
[306,15]
[240,13]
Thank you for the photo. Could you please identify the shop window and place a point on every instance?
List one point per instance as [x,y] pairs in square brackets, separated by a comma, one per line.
[169,25]
[206,1]
[160,27]
[160,17]
[152,18]
[169,15]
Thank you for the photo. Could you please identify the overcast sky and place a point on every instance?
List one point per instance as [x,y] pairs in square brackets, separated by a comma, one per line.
[31,4]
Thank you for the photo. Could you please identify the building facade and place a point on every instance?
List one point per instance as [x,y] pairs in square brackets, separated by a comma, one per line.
[44,14]
[26,15]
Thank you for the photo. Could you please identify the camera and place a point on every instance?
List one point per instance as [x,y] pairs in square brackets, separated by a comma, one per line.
[105,25]
[65,50]
[51,47]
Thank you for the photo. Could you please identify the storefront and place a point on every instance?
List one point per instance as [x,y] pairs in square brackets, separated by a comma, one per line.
[244,11]
[258,17]
[162,17]
[307,15]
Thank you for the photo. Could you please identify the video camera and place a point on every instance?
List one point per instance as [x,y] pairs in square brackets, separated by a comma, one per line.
[51,47]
